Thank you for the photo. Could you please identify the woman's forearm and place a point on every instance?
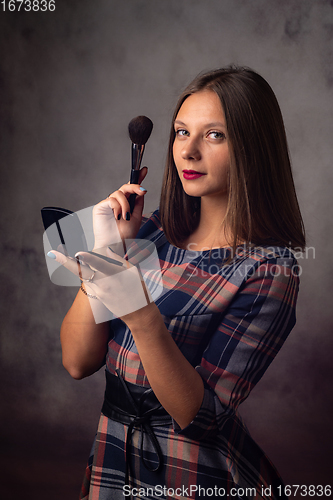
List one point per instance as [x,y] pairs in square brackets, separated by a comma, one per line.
[176,384]
[84,343]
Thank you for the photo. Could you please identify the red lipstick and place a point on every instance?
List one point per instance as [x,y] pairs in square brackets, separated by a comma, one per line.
[191,174]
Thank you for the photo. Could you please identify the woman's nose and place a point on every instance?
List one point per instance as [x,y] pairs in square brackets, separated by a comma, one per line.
[191,150]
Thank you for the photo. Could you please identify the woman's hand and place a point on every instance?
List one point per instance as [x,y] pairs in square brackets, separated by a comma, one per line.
[111,279]
[112,220]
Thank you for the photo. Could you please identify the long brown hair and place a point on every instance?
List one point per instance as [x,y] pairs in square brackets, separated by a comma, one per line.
[262,207]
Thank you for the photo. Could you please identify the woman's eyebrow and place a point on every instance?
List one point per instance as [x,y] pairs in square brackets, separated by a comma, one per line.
[216,124]
[180,122]
[208,125]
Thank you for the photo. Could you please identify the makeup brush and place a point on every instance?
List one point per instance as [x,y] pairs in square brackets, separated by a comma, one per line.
[139,130]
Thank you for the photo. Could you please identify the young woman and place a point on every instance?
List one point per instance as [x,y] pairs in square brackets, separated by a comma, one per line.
[178,368]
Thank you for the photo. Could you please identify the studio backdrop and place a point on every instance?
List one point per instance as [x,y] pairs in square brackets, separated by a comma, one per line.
[71,79]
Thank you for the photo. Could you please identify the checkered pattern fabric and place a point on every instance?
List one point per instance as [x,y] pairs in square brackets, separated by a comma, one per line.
[229,319]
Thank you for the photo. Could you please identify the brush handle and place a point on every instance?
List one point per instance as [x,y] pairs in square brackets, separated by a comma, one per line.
[137,154]
[134,180]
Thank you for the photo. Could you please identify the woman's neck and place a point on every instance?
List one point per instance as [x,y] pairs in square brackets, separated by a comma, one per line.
[211,231]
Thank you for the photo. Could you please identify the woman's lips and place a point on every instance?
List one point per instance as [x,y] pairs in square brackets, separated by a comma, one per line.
[191,174]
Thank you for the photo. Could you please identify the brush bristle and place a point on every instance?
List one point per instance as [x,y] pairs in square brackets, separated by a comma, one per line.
[139,129]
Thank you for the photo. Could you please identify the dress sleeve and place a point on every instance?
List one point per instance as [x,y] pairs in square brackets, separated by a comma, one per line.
[250,334]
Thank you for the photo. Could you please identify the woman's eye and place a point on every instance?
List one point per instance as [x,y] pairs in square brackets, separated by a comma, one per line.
[181,132]
[216,135]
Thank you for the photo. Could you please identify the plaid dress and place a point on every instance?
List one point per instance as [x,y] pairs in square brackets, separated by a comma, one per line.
[229,319]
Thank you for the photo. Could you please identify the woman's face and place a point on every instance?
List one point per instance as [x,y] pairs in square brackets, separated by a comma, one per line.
[200,148]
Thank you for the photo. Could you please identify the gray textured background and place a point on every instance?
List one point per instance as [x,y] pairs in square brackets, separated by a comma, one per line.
[70,82]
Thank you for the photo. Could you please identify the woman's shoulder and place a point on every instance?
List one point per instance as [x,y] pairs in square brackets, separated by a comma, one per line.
[251,259]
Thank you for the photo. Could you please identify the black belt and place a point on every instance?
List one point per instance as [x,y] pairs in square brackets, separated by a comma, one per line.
[135,406]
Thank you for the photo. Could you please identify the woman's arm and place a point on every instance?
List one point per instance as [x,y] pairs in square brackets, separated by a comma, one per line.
[84,343]
[176,384]
[251,333]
